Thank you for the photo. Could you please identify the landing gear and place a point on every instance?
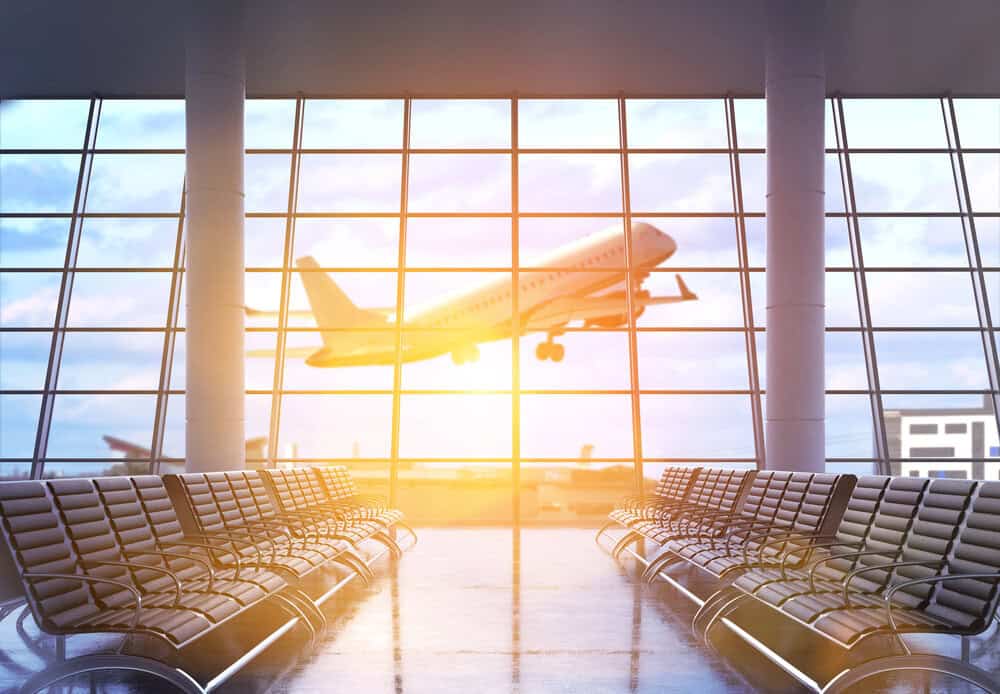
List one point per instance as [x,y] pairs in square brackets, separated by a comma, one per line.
[550,350]
[464,354]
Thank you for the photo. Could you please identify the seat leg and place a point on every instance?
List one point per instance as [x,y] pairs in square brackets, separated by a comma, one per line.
[627,539]
[408,529]
[292,608]
[657,564]
[384,538]
[720,614]
[356,564]
[86,664]
[604,529]
[306,604]
[705,617]
[919,663]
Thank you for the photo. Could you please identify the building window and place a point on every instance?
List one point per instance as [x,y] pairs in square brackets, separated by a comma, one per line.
[933,452]
[956,428]
[924,428]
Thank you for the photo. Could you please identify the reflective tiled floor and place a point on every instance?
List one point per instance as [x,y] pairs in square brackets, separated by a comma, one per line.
[460,616]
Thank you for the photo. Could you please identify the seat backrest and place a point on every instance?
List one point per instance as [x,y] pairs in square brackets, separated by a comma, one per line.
[939,517]
[38,542]
[976,550]
[191,491]
[167,517]
[757,503]
[888,526]
[226,504]
[284,489]
[345,481]
[258,493]
[332,476]
[675,482]
[732,485]
[310,488]
[89,531]
[824,503]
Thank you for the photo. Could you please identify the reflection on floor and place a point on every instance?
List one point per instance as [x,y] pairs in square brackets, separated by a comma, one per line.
[462,617]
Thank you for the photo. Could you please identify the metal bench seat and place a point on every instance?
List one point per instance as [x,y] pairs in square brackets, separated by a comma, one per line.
[672,489]
[929,562]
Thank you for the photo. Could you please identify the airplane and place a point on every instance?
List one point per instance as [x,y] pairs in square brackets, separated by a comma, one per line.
[581,281]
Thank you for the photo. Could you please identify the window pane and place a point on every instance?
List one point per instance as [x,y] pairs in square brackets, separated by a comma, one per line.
[676,123]
[346,242]
[491,369]
[931,360]
[127,243]
[440,123]
[561,426]
[983,174]
[349,183]
[892,123]
[455,426]
[366,361]
[336,426]
[849,427]
[270,123]
[910,182]
[751,123]
[457,242]
[569,123]
[570,183]
[844,356]
[18,424]
[576,371]
[680,183]
[913,242]
[24,358]
[921,299]
[141,124]
[38,182]
[692,361]
[111,361]
[459,183]
[978,122]
[119,299]
[696,426]
[264,241]
[718,303]
[31,242]
[28,300]
[541,237]
[43,123]
[136,183]
[353,123]
[374,293]
[266,182]
[79,422]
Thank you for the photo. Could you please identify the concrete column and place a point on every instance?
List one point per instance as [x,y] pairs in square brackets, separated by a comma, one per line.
[215,90]
[795,91]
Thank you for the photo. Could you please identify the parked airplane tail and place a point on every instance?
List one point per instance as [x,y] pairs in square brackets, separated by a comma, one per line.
[331,307]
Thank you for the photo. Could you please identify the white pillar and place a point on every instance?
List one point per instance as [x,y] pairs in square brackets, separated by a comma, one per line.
[215,89]
[795,91]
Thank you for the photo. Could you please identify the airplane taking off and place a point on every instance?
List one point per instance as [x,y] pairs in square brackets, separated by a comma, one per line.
[581,281]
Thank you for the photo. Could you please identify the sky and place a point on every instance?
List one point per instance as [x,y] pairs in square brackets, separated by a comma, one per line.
[461,425]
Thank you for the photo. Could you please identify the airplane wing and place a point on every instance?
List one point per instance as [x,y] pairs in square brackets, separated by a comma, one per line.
[131,450]
[606,310]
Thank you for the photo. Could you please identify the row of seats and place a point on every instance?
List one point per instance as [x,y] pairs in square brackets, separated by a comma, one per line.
[826,573]
[192,567]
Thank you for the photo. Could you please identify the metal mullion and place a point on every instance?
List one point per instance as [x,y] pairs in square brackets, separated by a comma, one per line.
[515,334]
[881,440]
[44,425]
[750,336]
[274,427]
[633,347]
[980,290]
[169,340]
[397,365]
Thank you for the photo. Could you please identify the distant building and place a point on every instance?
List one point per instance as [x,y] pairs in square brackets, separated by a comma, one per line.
[930,437]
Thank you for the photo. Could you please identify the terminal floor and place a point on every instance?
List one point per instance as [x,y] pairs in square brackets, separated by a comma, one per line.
[477,611]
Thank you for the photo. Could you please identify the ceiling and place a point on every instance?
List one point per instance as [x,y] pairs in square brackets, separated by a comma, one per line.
[476,48]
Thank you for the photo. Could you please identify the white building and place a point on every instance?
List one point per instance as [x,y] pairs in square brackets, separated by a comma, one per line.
[945,442]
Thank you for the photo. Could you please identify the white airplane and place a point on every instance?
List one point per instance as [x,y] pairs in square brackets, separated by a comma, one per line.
[581,281]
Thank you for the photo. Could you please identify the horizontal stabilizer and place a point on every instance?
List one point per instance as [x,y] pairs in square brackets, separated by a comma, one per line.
[686,294]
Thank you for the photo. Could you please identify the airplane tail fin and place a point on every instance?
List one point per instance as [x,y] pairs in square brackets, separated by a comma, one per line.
[331,307]
[686,294]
